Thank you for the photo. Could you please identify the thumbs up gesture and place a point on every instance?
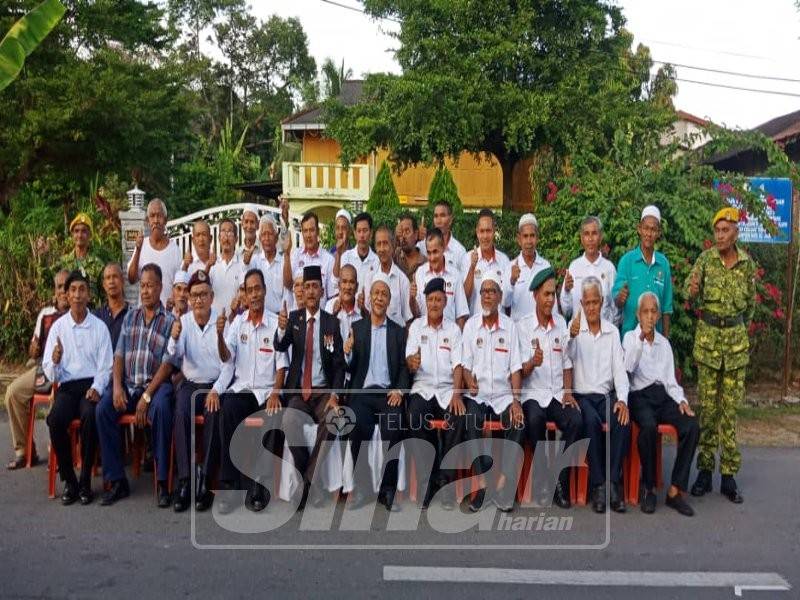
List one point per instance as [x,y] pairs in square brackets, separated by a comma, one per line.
[422,231]
[176,329]
[515,272]
[622,296]
[187,260]
[538,355]
[221,320]
[58,351]
[575,326]
[284,204]
[139,240]
[348,343]
[283,317]
[473,257]
[412,291]
[415,360]
[212,259]
[361,299]
[569,282]
[694,283]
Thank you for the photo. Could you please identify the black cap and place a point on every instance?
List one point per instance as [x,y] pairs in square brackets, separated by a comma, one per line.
[312,273]
[434,285]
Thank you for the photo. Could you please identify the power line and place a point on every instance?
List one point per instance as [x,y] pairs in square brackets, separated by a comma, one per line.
[724,72]
[355,9]
[736,87]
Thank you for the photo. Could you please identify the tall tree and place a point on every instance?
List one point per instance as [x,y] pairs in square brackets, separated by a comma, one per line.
[333,77]
[500,79]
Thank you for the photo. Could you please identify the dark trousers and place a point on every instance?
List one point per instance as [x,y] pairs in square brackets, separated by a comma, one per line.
[568,420]
[593,407]
[159,414]
[70,403]
[420,413]
[234,408]
[370,409]
[304,461]
[183,428]
[477,415]
[649,407]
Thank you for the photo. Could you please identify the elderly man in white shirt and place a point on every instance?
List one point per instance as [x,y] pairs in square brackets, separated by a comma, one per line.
[656,397]
[202,257]
[270,262]
[193,348]
[591,264]
[77,357]
[599,378]
[483,259]
[399,307]
[492,377]
[227,272]
[344,306]
[433,356]
[454,250]
[517,275]
[457,308]
[547,376]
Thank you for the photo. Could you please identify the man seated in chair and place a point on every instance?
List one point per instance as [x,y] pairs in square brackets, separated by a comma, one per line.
[492,381]
[316,374]
[139,386]
[20,391]
[547,375]
[251,378]
[656,398]
[375,353]
[433,356]
[78,358]
[599,377]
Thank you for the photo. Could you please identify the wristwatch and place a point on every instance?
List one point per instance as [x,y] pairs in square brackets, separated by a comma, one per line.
[146,397]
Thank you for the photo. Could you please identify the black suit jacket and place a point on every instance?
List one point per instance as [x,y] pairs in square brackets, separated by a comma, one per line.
[333,363]
[395,351]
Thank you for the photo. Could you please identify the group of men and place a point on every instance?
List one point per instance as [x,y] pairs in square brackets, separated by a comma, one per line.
[405,328]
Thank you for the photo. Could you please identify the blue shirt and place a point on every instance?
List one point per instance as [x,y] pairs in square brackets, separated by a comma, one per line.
[641,277]
[378,371]
[114,323]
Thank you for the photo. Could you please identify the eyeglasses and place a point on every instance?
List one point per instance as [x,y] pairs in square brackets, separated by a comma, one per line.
[198,296]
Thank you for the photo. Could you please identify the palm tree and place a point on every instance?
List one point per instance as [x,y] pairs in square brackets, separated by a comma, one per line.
[333,77]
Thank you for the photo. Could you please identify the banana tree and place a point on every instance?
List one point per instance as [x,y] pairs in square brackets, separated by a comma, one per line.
[24,36]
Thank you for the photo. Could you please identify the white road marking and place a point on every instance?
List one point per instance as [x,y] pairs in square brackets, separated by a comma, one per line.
[669,579]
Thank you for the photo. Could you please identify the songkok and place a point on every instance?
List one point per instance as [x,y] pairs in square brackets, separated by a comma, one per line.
[312,273]
[434,285]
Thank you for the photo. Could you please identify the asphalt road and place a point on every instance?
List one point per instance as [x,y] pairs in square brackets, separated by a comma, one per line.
[135,550]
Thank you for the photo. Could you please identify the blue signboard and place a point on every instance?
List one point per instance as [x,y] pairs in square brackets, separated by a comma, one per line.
[776,194]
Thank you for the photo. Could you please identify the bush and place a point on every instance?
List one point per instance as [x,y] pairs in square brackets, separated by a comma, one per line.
[383,194]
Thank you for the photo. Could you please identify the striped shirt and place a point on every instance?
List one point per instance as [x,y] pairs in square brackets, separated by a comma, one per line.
[142,345]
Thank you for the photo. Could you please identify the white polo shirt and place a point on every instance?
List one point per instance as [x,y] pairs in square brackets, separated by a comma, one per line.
[492,355]
[346,317]
[497,263]
[302,258]
[580,269]
[651,363]
[518,297]
[453,252]
[440,350]
[195,351]
[226,277]
[273,279]
[598,363]
[456,306]
[547,380]
[399,309]
[364,267]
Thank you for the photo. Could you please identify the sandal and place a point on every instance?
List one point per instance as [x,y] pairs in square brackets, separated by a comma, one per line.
[17,463]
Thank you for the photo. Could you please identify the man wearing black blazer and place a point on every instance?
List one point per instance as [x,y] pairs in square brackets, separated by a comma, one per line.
[375,353]
[316,374]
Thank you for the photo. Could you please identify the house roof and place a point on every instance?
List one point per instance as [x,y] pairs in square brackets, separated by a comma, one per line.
[685,116]
[311,118]
[782,130]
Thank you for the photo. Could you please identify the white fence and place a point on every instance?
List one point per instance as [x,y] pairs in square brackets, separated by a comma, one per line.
[326,181]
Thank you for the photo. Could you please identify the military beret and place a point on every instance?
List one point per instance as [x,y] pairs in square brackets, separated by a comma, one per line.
[542,276]
[199,277]
[728,213]
[82,219]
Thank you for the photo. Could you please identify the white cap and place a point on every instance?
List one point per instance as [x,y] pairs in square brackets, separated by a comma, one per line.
[380,276]
[181,276]
[651,211]
[492,276]
[250,208]
[342,212]
[527,219]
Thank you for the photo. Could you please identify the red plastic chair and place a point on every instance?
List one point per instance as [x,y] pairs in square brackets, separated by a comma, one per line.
[635,466]
[36,400]
[579,484]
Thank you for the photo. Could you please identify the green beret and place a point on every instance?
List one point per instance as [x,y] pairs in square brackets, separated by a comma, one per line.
[541,277]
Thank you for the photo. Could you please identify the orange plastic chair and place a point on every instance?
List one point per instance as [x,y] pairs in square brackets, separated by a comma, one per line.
[636,464]
[36,400]
[579,484]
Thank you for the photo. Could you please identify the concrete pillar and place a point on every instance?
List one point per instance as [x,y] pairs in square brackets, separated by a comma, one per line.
[132,221]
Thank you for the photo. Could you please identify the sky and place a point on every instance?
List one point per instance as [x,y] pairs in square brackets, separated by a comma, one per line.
[756,38]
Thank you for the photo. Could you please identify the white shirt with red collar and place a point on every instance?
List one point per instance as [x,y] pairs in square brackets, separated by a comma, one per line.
[440,354]
[492,355]
[496,262]
[456,306]
[454,252]
[302,258]
[518,297]
[364,267]
[346,317]
[547,380]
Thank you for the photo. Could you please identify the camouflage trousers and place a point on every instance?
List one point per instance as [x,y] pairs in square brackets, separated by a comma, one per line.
[720,392]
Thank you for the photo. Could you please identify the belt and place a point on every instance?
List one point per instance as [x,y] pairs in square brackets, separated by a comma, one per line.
[716,321]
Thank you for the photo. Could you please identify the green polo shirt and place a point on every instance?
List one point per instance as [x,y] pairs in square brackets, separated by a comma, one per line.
[641,277]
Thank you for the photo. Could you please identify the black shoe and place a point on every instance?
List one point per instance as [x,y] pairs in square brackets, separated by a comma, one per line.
[257,498]
[119,490]
[164,498]
[357,499]
[85,494]
[617,501]
[599,499]
[702,485]
[225,507]
[203,496]
[502,501]
[477,501]
[649,502]
[182,496]
[678,503]
[561,496]
[386,498]
[70,495]
[730,490]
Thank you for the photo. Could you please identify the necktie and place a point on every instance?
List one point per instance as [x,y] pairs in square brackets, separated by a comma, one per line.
[308,360]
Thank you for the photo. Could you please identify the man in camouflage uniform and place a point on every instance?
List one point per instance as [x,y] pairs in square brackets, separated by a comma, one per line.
[81,259]
[722,286]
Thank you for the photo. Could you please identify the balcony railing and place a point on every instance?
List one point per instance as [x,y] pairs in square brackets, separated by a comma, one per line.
[326,181]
